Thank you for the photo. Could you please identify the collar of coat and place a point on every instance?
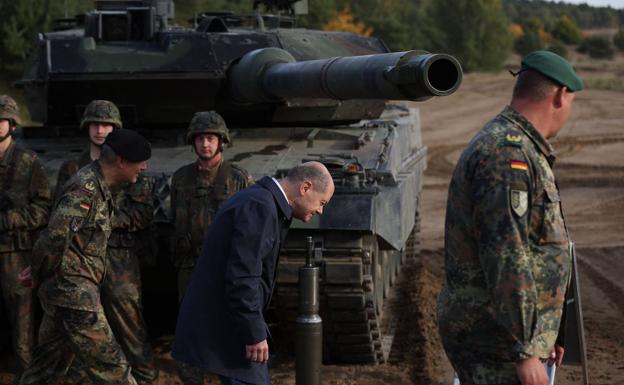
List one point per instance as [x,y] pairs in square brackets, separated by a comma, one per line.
[101,182]
[282,203]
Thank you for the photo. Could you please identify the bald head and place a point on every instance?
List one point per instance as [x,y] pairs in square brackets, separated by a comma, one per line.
[315,172]
[309,187]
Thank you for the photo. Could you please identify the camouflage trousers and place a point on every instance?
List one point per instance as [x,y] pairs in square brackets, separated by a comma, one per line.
[190,375]
[121,300]
[474,367]
[76,347]
[19,305]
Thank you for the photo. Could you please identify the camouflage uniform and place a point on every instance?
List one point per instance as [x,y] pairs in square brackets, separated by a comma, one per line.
[68,169]
[506,251]
[121,289]
[24,208]
[76,344]
[196,195]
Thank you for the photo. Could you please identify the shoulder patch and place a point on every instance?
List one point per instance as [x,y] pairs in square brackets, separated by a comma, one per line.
[88,188]
[513,139]
[519,201]
[518,165]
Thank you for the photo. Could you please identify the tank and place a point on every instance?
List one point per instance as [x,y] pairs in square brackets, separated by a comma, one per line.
[288,95]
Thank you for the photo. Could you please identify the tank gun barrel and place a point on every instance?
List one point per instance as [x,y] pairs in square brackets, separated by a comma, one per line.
[272,74]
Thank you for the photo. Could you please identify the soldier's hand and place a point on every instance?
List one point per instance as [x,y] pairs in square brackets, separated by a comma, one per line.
[556,356]
[531,372]
[25,277]
[258,352]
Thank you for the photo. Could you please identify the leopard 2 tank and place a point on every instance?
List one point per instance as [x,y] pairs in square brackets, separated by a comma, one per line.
[288,95]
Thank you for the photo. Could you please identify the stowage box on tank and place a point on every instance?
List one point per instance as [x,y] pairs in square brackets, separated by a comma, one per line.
[288,95]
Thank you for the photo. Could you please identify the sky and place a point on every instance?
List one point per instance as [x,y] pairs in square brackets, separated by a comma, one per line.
[598,3]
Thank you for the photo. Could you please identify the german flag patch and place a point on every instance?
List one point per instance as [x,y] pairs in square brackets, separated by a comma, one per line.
[85,206]
[517,165]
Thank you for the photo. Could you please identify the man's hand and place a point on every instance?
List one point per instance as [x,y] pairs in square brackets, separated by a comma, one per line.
[25,277]
[556,356]
[531,372]
[258,352]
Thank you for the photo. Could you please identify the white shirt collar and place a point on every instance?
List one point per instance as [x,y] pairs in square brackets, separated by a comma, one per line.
[281,189]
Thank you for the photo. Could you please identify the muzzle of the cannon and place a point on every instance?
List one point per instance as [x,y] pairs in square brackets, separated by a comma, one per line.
[272,74]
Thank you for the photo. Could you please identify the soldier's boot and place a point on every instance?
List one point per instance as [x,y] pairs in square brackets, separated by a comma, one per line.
[121,300]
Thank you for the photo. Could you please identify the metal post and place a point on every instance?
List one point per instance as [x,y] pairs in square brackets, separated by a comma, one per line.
[309,332]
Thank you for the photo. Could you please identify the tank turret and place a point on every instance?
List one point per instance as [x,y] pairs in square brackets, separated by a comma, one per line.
[160,74]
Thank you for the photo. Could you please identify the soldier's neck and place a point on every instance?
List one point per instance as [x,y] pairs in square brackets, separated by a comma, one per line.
[209,164]
[537,114]
[94,151]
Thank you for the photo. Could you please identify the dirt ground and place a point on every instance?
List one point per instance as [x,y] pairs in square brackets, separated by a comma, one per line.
[590,171]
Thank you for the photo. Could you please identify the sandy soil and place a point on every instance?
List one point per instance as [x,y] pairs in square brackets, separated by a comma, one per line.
[590,170]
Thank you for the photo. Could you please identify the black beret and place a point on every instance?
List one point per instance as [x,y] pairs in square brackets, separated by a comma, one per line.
[129,145]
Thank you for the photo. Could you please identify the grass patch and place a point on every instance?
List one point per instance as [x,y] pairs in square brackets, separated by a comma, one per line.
[611,84]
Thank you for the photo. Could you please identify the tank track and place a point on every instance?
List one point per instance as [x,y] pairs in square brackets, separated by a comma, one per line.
[352,304]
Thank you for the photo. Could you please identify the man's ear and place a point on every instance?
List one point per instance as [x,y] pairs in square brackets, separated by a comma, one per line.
[305,187]
[559,96]
[120,162]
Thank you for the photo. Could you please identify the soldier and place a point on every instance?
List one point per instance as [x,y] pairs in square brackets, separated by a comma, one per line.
[197,191]
[506,243]
[100,118]
[133,213]
[76,344]
[24,207]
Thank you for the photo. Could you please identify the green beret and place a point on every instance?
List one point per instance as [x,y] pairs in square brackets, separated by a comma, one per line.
[129,145]
[555,67]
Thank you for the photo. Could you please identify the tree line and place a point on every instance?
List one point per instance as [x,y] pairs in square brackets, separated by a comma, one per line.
[481,33]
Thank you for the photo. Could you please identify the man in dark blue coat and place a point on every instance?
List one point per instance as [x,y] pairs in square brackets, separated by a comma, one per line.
[221,326]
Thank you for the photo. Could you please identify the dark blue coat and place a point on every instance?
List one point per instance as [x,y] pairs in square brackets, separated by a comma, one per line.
[223,308]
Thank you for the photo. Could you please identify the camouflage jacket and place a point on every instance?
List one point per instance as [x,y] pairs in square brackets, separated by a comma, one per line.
[506,244]
[195,201]
[24,199]
[133,212]
[69,258]
[68,169]
[133,204]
